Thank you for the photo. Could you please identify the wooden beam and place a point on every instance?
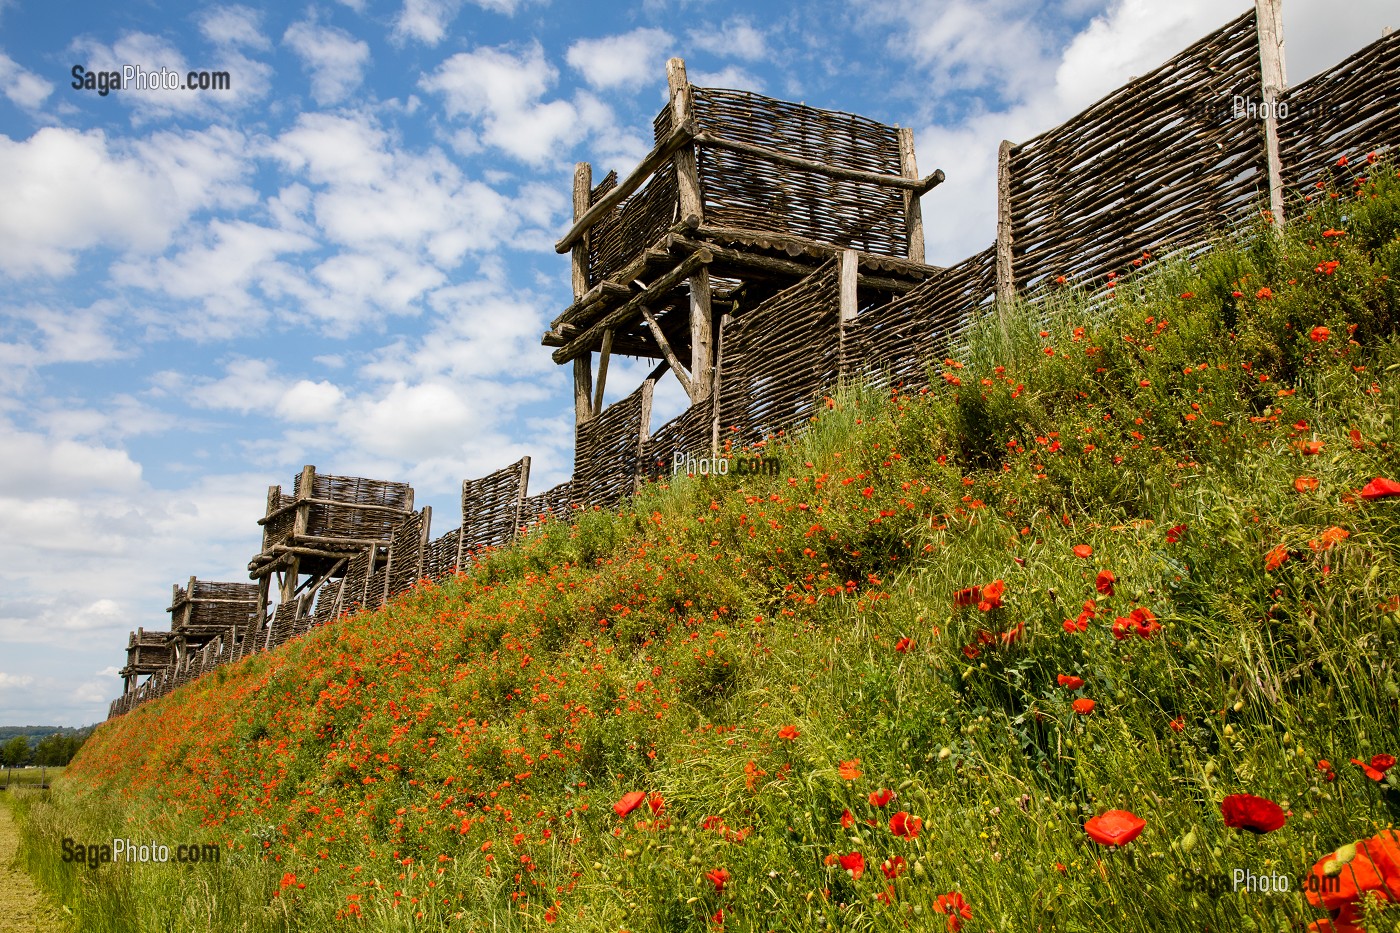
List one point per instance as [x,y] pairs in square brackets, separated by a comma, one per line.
[918,186]
[797,245]
[680,136]
[683,156]
[603,369]
[672,360]
[913,209]
[1269,17]
[728,256]
[1006,274]
[626,312]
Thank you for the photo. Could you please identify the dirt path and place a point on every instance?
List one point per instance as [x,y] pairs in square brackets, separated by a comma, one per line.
[22,908]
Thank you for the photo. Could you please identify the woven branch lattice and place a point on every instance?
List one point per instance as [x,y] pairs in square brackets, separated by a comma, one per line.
[1160,162]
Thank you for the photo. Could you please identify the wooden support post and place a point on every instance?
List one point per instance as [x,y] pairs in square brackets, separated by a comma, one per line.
[603,358]
[846,275]
[289,579]
[584,410]
[1269,16]
[913,209]
[638,477]
[260,613]
[702,325]
[702,337]
[1006,274]
[717,394]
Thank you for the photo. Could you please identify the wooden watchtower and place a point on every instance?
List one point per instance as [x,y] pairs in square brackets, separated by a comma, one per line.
[203,610]
[316,530]
[742,196]
[146,653]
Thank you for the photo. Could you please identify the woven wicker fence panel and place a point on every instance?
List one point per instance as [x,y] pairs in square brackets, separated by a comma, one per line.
[355,581]
[328,601]
[406,552]
[279,528]
[899,339]
[441,558]
[744,190]
[1350,110]
[1160,162]
[777,357]
[556,503]
[635,224]
[346,521]
[491,506]
[283,620]
[374,587]
[608,455]
[690,432]
[236,602]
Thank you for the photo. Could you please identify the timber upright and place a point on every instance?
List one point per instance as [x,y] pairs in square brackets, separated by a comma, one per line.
[742,197]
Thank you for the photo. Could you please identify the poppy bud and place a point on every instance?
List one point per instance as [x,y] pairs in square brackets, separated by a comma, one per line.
[1188,841]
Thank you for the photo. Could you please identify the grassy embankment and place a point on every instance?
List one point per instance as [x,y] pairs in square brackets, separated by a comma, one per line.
[762,657]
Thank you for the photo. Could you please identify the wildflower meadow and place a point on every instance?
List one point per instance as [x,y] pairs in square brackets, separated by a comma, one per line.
[1099,632]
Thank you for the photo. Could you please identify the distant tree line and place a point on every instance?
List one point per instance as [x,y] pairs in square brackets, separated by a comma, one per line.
[55,749]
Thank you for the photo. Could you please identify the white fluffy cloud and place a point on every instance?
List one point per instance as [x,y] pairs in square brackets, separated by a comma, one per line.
[67,191]
[628,60]
[23,87]
[234,26]
[501,92]
[735,38]
[336,59]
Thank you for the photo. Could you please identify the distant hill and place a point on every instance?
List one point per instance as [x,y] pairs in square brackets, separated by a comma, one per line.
[35,733]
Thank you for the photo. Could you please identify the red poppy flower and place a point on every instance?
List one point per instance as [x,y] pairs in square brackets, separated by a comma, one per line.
[848,819]
[905,826]
[1069,681]
[788,733]
[1082,550]
[1178,724]
[1115,827]
[1013,635]
[955,907]
[1309,448]
[1257,815]
[1370,770]
[1083,706]
[1379,488]
[968,596]
[1145,621]
[1275,558]
[1174,533]
[853,863]
[903,645]
[971,652]
[1305,483]
[1104,582]
[850,770]
[991,596]
[1264,294]
[656,802]
[629,802]
[1382,762]
[719,877]
[882,797]
[893,866]
[1339,879]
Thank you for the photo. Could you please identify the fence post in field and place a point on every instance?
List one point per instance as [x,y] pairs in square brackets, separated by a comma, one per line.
[1006,273]
[1269,15]
[846,274]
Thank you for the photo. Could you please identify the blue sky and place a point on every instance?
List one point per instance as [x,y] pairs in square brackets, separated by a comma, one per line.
[347,260]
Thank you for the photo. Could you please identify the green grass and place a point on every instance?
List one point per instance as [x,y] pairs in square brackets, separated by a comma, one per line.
[27,777]
[732,648]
